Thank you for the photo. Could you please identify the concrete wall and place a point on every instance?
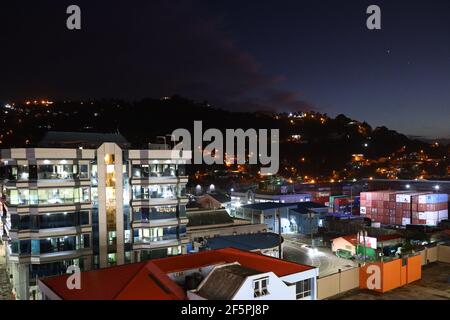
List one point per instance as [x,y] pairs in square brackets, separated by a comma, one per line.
[337,283]
[429,255]
[443,254]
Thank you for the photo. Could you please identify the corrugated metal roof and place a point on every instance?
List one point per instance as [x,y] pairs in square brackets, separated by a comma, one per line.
[206,218]
[248,242]
[224,281]
[267,205]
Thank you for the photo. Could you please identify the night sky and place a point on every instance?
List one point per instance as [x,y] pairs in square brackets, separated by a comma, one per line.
[239,55]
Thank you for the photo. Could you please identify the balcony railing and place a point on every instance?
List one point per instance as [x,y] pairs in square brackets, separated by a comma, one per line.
[140,240]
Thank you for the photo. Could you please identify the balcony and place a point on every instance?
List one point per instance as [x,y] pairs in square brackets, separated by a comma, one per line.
[158,242]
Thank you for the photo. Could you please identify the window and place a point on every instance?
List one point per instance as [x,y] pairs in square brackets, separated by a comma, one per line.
[173,251]
[155,192]
[260,287]
[57,172]
[154,170]
[23,173]
[84,171]
[303,289]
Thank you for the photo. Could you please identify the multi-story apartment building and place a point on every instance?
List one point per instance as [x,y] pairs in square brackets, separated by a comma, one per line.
[90,207]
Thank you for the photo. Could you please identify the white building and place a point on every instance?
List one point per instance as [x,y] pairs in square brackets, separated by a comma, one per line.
[93,207]
[224,274]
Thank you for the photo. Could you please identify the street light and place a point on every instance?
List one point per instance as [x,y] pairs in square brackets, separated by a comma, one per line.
[408,186]
[436,187]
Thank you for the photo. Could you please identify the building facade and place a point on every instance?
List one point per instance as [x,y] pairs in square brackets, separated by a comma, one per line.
[92,208]
[300,217]
[239,199]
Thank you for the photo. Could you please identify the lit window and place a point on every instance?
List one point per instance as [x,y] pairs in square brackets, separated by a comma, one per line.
[260,287]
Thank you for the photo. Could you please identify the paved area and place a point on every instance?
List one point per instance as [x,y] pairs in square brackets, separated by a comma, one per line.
[434,285]
[324,259]
[5,286]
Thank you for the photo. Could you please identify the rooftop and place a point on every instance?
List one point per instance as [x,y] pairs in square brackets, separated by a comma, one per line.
[301,206]
[76,139]
[208,217]
[149,280]
[267,205]
[255,241]
[224,281]
[220,197]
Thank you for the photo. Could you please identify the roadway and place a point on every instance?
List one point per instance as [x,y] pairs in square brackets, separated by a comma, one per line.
[327,262]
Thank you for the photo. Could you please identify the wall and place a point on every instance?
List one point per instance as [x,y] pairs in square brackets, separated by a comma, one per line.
[429,255]
[443,254]
[277,289]
[337,283]
[414,271]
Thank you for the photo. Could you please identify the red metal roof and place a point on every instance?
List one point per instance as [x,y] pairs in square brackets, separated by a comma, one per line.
[248,259]
[149,281]
[351,238]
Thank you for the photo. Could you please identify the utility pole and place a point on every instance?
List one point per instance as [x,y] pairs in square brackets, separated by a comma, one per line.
[364,241]
[351,199]
[279,234]
[310,217]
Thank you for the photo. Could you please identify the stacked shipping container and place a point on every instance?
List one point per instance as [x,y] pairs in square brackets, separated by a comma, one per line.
[403,207]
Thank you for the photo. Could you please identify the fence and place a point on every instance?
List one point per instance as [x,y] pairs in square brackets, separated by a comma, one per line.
[341,282]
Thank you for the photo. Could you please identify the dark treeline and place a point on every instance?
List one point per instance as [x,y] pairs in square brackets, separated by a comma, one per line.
[311,143]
